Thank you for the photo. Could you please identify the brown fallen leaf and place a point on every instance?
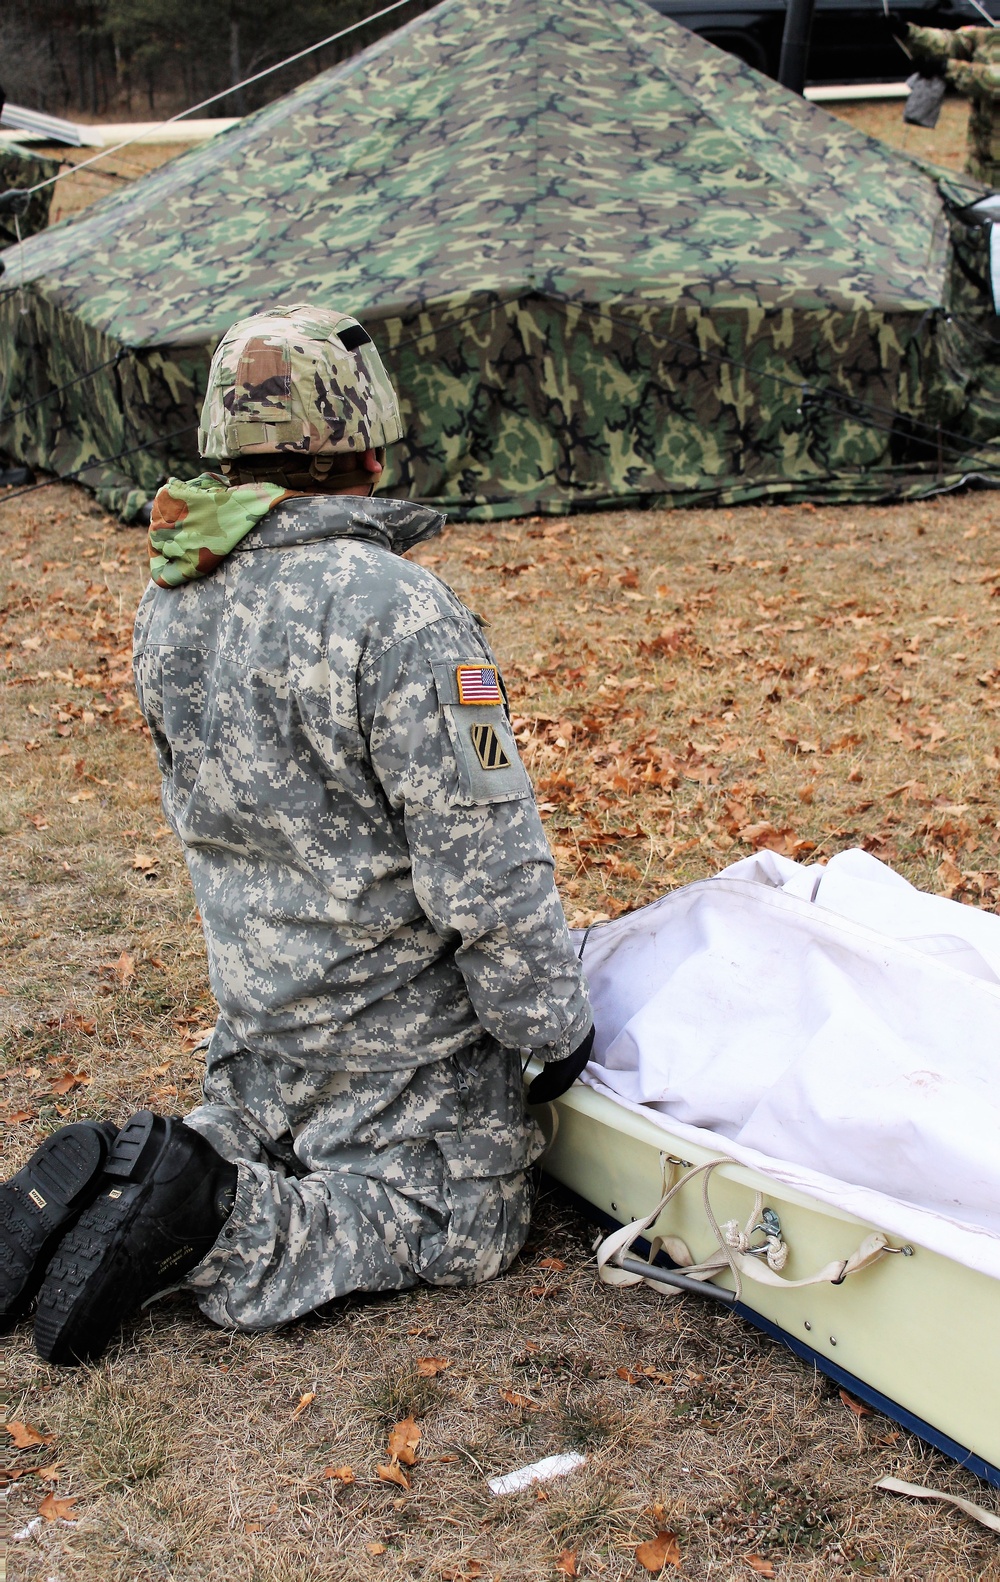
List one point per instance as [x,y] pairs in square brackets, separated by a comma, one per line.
[305,1401]
[857,1407]
[339,1474]
[11,1474]
[566,1564]
[24,1435]
[552,1263]
[545,1290]
[69,1081]
[49,1474]
[888,1439]
[430,1367]
[513,1398]
[145,861]
[56,1510]
[949,874]
[658,1552]
[403,1441]
[74,1022]
[123,968]
[375,1549]
[18,1117]
[393,1473]
[763,1567]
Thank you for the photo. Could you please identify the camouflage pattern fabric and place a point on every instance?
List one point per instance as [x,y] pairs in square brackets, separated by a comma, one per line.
[20,168]
[969,58]
[297,378]
[374,882]
[392,1178]
[383,930]
[603,263]
[193,526]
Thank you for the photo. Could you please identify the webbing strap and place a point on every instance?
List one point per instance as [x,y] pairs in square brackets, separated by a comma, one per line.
[733,1249]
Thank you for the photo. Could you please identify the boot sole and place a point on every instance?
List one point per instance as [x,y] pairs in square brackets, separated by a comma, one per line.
[38,1204]
[89,1286]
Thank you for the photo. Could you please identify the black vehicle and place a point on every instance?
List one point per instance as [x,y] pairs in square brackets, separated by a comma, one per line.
[852,40]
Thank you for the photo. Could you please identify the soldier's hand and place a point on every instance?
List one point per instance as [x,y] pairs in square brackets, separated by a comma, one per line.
[558,1075]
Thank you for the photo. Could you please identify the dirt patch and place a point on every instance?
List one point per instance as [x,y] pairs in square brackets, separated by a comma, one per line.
[110,172]
[944,144]
[688,687]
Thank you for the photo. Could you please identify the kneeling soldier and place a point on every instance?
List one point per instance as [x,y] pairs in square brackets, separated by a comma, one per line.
[385,941]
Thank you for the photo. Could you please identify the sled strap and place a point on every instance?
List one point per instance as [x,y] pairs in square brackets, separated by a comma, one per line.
[734,1252]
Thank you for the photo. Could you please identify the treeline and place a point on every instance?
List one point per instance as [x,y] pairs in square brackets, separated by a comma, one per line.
[146,58]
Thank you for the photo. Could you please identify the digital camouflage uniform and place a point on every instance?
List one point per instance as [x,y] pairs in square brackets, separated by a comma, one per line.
[377,895]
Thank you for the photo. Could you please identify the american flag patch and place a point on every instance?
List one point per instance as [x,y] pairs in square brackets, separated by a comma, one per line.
[478,684]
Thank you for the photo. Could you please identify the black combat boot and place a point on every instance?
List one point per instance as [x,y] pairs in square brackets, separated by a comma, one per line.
[164,1198]
[39,1204]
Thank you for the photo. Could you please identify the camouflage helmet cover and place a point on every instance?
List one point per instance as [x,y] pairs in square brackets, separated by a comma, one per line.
[297,379]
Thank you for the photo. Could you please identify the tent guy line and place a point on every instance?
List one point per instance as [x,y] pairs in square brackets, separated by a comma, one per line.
[235,87]
[112,362]
[100,461]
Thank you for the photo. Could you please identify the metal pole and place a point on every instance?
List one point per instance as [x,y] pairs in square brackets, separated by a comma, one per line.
[682,1281]
[795,44]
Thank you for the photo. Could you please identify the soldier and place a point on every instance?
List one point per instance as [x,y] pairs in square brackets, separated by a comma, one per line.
[967,58]
[385,940]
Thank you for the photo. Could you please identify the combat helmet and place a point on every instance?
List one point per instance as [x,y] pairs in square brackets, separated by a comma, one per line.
[297,380]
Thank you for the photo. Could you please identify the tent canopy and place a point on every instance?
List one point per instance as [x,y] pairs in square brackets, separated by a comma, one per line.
[603,260]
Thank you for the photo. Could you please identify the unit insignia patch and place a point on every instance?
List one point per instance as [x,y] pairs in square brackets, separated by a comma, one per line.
[489,747]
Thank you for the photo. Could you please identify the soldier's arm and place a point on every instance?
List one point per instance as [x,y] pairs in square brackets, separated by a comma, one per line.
[481,866]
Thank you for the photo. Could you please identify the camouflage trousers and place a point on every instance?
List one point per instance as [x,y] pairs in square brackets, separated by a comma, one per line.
[376,1182]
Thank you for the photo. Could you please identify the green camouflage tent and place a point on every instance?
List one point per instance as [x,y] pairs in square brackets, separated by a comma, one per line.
[604,262]
[20,168]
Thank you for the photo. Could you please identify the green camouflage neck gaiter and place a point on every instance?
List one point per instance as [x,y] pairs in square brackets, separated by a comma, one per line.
[194,525]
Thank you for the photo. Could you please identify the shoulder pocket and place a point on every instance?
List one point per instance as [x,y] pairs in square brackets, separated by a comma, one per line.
[489,769]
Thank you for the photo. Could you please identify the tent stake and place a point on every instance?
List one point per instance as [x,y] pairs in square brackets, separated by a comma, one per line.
[652,1271]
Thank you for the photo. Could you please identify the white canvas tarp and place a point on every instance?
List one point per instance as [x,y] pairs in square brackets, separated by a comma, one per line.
[832,1026]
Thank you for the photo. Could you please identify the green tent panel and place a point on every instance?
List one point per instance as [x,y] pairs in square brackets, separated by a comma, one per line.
[605,264]
[22,167]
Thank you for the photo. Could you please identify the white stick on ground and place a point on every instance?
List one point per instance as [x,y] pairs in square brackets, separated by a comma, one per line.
[537,1472]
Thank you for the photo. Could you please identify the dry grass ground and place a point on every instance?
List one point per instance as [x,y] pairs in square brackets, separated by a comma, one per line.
[106,176]
[943,144]
[687,686]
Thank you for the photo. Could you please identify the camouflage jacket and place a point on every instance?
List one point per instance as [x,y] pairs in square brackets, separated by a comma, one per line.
[373,878]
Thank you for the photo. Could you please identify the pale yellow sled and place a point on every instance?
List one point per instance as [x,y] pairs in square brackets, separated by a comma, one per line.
[907,1330]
